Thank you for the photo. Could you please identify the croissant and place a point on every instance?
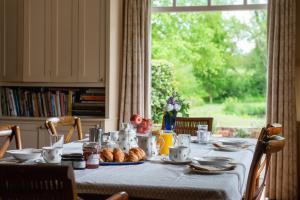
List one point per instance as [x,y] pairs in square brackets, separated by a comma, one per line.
[132,157]
[119,156]
[107,154]
[139,152]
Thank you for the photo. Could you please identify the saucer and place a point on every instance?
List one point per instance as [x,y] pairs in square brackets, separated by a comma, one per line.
[173,162]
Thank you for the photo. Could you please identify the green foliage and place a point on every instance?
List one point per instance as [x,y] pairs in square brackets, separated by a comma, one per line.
[235,107]
[163,86]
[241,133]
[209,63]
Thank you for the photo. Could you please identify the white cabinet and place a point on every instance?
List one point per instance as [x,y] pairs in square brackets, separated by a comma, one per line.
[53,41]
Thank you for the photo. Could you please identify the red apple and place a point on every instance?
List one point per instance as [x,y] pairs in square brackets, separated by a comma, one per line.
[144,123]
[136,119]
[140,129]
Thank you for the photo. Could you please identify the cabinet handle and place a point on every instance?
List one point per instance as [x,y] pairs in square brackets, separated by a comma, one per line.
[101,79]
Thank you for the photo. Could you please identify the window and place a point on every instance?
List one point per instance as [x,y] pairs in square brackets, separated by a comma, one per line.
[215,61]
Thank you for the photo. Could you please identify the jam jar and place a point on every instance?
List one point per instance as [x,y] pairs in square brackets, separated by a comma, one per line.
[91,154]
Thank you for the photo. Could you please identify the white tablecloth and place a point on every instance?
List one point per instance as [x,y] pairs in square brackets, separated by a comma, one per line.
[164,181]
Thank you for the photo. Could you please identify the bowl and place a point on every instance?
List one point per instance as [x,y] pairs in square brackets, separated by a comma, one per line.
[25,154]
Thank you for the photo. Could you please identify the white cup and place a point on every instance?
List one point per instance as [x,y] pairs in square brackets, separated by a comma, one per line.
[180,153]
[52,155]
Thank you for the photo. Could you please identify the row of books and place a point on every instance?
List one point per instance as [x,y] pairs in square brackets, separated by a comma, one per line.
[48,103]
[90,102]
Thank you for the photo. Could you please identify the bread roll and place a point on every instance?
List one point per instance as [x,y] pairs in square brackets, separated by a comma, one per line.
[107,154]
[118,155]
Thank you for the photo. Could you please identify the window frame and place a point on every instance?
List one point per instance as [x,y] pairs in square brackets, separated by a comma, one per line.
[208,7]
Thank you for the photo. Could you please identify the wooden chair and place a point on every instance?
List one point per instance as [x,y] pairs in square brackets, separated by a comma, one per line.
[74,122]
[189,125]
[40,182]
[264,149]
[10,132]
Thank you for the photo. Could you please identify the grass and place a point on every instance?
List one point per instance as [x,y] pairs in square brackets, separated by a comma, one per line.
[225,120]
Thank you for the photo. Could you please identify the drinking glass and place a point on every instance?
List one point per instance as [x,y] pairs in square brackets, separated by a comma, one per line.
[56,141]
[184,140]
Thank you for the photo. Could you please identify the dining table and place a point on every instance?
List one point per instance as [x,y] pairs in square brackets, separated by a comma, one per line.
[156,179]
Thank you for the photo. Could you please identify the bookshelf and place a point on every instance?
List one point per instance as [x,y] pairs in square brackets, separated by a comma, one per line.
[43,102]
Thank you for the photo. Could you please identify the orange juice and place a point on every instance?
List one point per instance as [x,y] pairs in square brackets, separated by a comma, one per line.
[168,142]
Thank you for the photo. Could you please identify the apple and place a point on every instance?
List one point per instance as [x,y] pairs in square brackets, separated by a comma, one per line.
[136,119]
[144,123]
[140,129]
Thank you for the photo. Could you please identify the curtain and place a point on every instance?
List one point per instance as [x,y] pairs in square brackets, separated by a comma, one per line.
[135,88]
[282,183]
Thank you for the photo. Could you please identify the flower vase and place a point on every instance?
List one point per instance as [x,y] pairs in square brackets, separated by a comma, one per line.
[169,120]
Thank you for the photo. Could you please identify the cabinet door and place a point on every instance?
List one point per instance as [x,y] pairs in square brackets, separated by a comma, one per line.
[92,41]
[10,32]
[36,40]
[64,41]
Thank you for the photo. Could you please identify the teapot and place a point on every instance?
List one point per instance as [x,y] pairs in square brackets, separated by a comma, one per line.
[127,137]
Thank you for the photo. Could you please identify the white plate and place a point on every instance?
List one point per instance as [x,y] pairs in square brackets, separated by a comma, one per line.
[227,148]
[219,171]
[25,154]
[233,142]
[213,160]
[168,161]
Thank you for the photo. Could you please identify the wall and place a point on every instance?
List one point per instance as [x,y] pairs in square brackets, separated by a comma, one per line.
[298,61]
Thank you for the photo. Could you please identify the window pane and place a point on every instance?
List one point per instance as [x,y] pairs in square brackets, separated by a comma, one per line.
[191,2]
[227,2]
[162,3]
[257,1]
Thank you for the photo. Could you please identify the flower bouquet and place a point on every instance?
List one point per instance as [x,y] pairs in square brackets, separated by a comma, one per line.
[171,109]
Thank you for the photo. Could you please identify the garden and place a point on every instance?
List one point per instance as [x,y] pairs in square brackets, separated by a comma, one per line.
[215,63]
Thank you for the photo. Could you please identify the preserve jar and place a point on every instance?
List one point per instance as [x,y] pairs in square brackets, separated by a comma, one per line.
[91,154]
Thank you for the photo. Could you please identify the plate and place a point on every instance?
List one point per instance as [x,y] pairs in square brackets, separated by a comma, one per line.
[120,163]
[25,154]
[233,142]
[227,148]
[213,160]
[168,161]
[215,169]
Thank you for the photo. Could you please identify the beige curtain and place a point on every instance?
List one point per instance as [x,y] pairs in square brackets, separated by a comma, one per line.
[282,182]
[135,88]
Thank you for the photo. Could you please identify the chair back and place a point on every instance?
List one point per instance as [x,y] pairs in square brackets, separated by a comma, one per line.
[189,125]
[9,132]
[267,144]
[37,182]
[73,122]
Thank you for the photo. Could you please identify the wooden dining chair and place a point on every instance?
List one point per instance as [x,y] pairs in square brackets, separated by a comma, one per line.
[44,182]
[189,125]
[9,132]
[264,149]
[75,122]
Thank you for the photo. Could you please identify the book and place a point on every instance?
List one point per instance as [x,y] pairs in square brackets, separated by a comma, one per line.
[92,98]
[70,100]
[57,104]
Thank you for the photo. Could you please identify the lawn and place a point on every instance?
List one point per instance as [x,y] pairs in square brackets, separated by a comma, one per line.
[225,120]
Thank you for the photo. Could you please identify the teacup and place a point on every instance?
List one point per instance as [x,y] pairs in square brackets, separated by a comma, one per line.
[52,155]
[179,153]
